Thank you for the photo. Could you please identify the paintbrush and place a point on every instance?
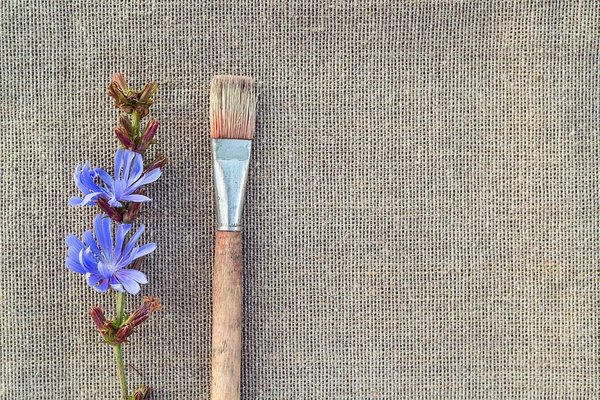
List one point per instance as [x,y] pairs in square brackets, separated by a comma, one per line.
[232,117]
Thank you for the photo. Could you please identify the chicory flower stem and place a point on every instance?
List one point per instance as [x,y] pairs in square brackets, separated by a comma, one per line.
[135,126]
[120,308]
[121,371]
[119,350]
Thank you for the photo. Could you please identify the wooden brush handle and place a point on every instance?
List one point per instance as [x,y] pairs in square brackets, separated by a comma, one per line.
[227,316]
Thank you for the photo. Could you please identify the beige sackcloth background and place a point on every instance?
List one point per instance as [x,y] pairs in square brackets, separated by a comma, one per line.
[422,216]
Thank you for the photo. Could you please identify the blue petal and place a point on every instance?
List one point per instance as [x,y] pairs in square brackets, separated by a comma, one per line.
[90,199]
[102,286]
[138,168]
[114,203]
[120,238]
[87,180]
[129,156]
[85,262]
[114,283]
[148,178]
[90,261]
[73,241]
[104,235]
[89,240]
[134,274]
[145,249]
[77,179]
[73,254]
[105,177]
[75,266]
[119,188]
[135,197]
[75,201]
[126,259]
[133,240]
[118,162]
[128,282]
[92,279]
[82,261]
[104,271]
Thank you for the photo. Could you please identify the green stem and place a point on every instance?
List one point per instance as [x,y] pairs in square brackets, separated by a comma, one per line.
[118,349]
[120,308]
[121,371]
[135,125]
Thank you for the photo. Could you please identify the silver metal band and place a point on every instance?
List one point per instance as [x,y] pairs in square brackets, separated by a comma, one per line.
[231,158]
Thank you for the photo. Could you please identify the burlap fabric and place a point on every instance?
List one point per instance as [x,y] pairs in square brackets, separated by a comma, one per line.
[422,216]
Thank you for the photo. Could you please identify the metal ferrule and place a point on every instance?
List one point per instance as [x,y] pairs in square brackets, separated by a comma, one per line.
[231,158]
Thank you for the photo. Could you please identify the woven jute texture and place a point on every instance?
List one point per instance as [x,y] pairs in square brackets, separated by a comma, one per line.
[422,218]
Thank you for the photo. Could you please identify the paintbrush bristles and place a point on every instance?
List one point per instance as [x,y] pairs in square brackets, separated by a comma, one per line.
[232,107]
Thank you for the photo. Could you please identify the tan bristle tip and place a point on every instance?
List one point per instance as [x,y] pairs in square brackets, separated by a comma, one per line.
[232,107]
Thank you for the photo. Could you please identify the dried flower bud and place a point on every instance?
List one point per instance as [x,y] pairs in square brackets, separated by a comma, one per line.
[118,90]
[108,210]
[123,333]
[148,135]
[134,320]
[124,139]
[119,80]
[153,303]
[149,305]
[160,160]
[138,316]
[115,335]
[142,393]
[147,92]
[106,328]
[126,125]
[98,317]
[130,101]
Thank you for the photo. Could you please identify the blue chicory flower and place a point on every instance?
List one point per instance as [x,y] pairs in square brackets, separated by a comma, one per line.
[84,180]
[104,264]
[129,176]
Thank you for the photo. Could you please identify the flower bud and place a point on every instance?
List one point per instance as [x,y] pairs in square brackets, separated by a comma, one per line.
[132,212]
[126,125]
[160,161]
[124,139]
[149,305]
[118,90]
[98,317]
[142,393]
[130,101]
[148,135]
[108,210]
[119,80]
[137,318]
[109,326]
[123,333]
[153,303]
[126,108]
[147,92]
